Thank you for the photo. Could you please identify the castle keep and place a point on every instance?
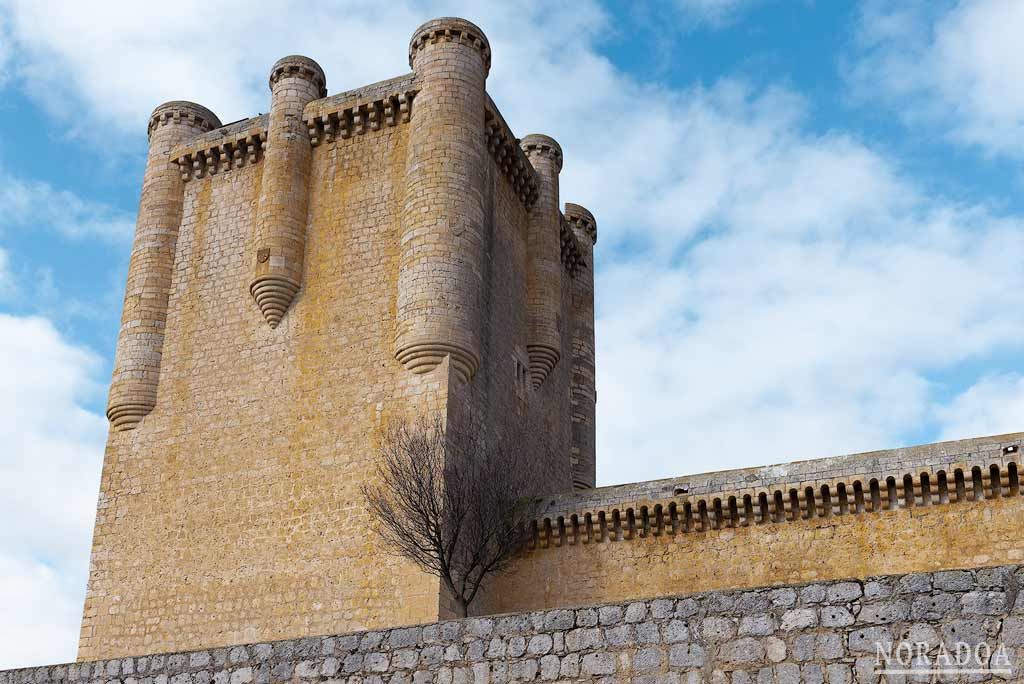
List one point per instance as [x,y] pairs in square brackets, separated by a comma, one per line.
[302,279]
[297,281]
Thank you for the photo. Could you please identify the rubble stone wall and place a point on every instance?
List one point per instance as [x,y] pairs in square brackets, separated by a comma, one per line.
[814,633]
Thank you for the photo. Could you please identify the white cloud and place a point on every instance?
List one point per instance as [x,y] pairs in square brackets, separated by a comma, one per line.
[958,68]
[103,64]
[7,282]
[5,53]
[713,12]
[809,315]
[761,286]
[182,51]
[992,406]
[42,611]
[49,479]
[37,205]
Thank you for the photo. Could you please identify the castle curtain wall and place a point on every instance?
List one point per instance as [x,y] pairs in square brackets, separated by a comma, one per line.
[916,509]
[899,541]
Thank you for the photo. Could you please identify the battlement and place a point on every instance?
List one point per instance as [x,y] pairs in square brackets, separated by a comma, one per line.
[353,112]
[179,111]
[302,67]
[912,477]
[356,112]
[449,29]
[580,217]
[542,146]
[230,147]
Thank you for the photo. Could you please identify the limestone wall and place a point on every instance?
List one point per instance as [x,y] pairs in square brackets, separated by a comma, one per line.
[503,398]
[231,510]
[926,508]
[831,470]
[812,633]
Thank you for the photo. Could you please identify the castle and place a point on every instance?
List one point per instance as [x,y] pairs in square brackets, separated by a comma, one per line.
[300,279]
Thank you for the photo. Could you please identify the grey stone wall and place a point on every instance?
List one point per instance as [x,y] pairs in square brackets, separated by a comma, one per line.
[826,632]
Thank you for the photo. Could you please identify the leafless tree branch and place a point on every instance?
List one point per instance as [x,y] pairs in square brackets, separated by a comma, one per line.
[456,505]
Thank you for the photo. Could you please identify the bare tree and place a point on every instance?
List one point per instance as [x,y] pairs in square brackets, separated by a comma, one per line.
[457,505]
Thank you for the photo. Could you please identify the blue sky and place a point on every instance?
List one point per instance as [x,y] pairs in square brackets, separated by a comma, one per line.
[811,223]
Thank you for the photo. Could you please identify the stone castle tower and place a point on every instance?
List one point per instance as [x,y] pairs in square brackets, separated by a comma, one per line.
[302,279]
[298,280]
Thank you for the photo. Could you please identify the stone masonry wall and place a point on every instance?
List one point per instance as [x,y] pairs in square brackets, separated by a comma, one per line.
[227,515]
[812,633]
[697,540]
[849,467]
[897,541]
[232,511]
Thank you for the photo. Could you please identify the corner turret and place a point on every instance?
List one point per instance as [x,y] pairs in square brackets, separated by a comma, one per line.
[584,384]
[544,260]
[280,238]
[133,389]
[442,237]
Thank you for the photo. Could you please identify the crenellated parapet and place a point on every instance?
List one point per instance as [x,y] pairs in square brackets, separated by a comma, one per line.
[180,113]
[775,495]
[327,124]
[447,30]
[541,146]
[582,221]
[341,116]
[133,389]
[230,147]
[510,158]
[544,260]
[297,66]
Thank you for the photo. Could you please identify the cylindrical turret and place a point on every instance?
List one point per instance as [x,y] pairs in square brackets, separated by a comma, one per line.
[544,260]
[280,235]
[584,386]
[439,278]
[141,340]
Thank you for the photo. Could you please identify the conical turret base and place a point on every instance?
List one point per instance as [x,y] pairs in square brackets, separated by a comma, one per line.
[273,296]
[542,361]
